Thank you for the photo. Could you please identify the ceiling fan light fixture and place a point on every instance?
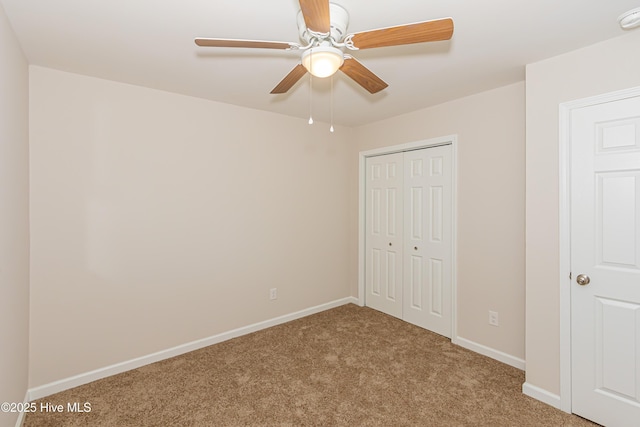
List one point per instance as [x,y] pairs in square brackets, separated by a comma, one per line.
[322,61]
[630,19]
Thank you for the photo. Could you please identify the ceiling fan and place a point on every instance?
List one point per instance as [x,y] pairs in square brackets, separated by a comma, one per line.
[322,26]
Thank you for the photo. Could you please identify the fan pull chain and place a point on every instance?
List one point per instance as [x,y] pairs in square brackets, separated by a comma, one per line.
[331,128]
[310,99]
[311,89]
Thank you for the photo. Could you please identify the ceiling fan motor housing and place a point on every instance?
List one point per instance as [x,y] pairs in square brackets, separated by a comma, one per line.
[339,24]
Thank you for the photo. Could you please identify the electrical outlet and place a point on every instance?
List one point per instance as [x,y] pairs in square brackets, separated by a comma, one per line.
[493,318]
[273,293]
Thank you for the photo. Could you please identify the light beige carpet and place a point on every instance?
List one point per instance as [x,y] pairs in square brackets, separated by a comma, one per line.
[349,366]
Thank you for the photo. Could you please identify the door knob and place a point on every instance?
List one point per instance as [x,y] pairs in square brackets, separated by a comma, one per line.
[583,280]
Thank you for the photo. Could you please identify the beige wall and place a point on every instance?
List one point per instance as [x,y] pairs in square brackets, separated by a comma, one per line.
[159,219]
[601,68]
[491,131]
[14,221]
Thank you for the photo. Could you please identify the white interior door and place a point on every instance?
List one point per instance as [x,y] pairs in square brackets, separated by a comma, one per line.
[427,239]
[605,252]
[383,277]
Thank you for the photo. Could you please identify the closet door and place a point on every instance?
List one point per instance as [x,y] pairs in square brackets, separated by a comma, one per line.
[428,239]
[384,233]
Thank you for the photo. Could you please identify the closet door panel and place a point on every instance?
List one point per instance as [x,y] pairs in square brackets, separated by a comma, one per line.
[427,242]
[384,233]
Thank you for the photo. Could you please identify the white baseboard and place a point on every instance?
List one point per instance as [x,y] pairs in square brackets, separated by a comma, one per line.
[87,377]
[542,395]
[528,389]
[490,352]
[20,419]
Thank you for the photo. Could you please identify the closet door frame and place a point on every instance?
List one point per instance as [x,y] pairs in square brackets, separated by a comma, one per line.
[433,142]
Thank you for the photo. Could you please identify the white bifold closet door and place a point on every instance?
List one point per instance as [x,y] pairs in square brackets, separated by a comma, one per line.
[408,264]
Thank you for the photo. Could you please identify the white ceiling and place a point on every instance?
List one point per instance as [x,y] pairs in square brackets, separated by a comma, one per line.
[150,43]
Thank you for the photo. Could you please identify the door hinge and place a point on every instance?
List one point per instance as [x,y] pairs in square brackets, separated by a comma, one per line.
[570,276]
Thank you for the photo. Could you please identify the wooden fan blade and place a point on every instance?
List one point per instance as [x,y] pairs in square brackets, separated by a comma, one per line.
[316,15]
[259,44]
[420,32]
[362,75]
[290,79]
